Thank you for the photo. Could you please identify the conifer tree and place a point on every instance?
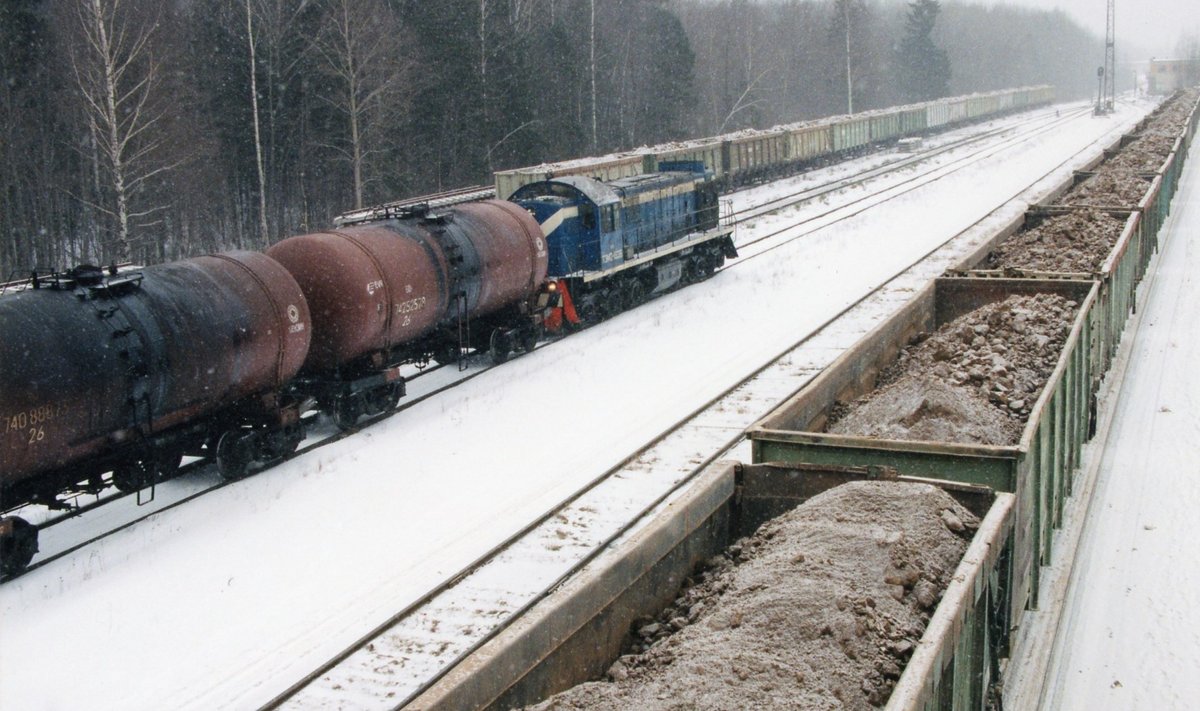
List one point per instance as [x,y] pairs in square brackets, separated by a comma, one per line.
[924,68]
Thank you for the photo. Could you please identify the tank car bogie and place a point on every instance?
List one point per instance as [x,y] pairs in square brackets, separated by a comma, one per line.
[18,545]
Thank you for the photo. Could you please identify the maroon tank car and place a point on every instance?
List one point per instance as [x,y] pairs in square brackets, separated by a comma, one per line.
[126,373]
[404,290]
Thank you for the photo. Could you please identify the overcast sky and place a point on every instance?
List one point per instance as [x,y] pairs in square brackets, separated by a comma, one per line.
[1154,26]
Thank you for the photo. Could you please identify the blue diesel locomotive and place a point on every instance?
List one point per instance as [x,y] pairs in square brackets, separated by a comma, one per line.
[615,244]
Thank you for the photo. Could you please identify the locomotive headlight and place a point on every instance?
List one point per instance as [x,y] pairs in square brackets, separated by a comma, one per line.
[552,287]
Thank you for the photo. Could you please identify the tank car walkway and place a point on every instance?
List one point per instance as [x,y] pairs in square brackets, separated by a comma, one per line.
[1129,637]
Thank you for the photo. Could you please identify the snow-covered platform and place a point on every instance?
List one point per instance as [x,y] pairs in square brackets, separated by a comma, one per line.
[1129,636]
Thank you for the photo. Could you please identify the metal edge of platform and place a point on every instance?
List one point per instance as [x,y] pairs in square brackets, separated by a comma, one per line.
[576,632]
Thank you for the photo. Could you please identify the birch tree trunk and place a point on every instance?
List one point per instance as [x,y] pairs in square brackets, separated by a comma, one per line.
[263,235]
[117,76]
[363,51]
[592,70]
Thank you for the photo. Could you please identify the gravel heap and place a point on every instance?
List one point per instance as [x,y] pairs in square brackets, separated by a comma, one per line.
[1075,242]
[974,381]
[818,610]
[1109,187]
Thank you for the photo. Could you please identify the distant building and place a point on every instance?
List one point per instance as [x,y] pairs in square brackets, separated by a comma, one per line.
[1167,75]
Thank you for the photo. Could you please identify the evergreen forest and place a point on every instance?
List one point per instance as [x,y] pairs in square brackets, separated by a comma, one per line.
[150,130]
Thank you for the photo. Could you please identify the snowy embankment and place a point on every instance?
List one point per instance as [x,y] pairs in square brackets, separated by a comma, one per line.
[227,600]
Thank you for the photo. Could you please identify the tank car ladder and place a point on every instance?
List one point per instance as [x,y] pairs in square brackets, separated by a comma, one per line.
[134,352]
[464,329]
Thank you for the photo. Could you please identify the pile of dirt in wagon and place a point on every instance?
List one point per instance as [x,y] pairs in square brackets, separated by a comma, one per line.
[1145,154]
[1075,242]
[1109,187]
[974,381]
[1154,143]
[820,609]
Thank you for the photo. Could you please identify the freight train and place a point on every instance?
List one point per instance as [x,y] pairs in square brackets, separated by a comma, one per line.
[750,156]
[111,378]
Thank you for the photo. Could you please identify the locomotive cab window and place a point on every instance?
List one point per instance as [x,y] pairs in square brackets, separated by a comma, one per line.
[587,216]
[608,216]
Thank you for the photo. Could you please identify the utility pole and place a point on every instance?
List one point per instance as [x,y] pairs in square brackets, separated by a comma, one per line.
[849,78]
[1110,59]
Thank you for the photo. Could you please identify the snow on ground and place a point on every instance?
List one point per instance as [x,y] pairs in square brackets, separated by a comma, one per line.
[1131,632]
[226,600]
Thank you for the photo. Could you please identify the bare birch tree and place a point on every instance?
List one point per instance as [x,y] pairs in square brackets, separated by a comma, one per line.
[363,50]
[118,77]
[592,72]
[263,234]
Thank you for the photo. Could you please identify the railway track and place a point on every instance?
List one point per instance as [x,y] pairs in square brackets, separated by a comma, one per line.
[409,653]
[785,235]
[185,488]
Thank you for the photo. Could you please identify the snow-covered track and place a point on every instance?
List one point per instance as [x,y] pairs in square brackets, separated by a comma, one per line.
[777,203]
[843,211]
[425,384]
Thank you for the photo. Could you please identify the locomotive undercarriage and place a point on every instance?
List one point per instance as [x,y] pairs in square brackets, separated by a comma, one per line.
[604,298]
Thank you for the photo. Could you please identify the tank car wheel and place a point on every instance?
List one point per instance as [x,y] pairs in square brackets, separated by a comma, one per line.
[133,476]
[529,338]
[235,452]
[500,345]
[346,412]
[284,441]
[383,399]
[447,354]
[18,544]
[148,471]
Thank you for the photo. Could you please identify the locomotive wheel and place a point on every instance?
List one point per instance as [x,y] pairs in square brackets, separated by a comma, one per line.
[632,294]
[717,261]
[705,267]
[500,346]
[18,544]
[235,452]
[346,412]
